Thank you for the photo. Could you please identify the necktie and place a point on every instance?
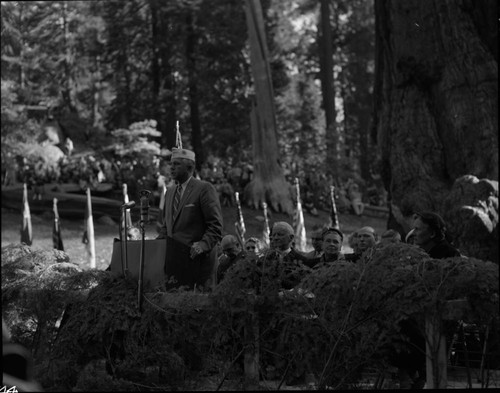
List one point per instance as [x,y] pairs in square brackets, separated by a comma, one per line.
[177,199]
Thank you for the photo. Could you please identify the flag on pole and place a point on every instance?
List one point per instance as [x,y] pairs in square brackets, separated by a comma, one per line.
[266,231]
[334,218]
[178,139]
[56,230]
[298,222]
[88,234]
[26,228]
[239,224]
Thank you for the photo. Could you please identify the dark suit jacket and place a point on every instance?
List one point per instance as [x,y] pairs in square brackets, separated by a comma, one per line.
[198,219]
[442,250]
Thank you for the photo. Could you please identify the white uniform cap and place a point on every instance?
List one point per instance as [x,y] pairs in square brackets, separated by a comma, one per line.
[183,153]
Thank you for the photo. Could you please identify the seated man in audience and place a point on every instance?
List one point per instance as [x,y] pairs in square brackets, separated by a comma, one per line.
[331,245]
[252,246]
[365,239]
[231,253]
[352,241]
[317,243]
[282,267]
[430,234]
[291,263]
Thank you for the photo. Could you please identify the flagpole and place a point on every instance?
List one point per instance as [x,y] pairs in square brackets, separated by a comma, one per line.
[299,225]
[240,224]
[178,139]
[144,199]
[26,228]
[90,231]
[334,217]
[266,225]
[56,233]
[128,219]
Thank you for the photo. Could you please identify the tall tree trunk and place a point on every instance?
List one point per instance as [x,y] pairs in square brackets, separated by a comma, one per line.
[96,115]
[125,101]
[437,94]
[327,84]
[67,92]
[155,60]
[193,91]
[22,54]
[168,100]
[268,184]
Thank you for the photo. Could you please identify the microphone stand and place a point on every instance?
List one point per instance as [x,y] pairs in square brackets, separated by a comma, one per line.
[120,229]
[144,198]
[123,244]
[124,213]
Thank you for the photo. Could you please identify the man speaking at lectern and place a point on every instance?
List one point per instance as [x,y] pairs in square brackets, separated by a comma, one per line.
[191,224]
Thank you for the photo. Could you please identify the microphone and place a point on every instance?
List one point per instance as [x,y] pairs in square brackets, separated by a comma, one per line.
[144,195]
[128,205]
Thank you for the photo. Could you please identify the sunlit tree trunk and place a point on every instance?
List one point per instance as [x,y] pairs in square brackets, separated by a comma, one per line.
[269,184]
[436,95]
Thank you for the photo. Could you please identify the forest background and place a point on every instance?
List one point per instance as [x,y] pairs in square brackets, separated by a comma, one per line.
[360,89]
[101,66]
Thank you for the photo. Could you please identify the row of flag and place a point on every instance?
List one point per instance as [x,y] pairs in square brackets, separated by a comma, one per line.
[88,234]
[298,220]
[88,237]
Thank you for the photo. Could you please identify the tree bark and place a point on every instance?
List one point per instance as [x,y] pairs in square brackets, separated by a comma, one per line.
[169,118]
[67,91]
[193,91]
[155,60]
[97,122]
[327,84]
[268,184]
[437,99]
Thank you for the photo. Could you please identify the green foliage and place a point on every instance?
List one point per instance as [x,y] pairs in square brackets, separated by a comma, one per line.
[343,318]
[462,278]
[87,170]
[340,319]
[136,156]
[36,286]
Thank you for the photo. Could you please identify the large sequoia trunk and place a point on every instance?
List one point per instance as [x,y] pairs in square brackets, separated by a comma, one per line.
[268,184]
[436,97]
[327,84]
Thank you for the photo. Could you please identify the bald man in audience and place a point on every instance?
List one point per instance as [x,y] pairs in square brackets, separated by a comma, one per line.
[290,261]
